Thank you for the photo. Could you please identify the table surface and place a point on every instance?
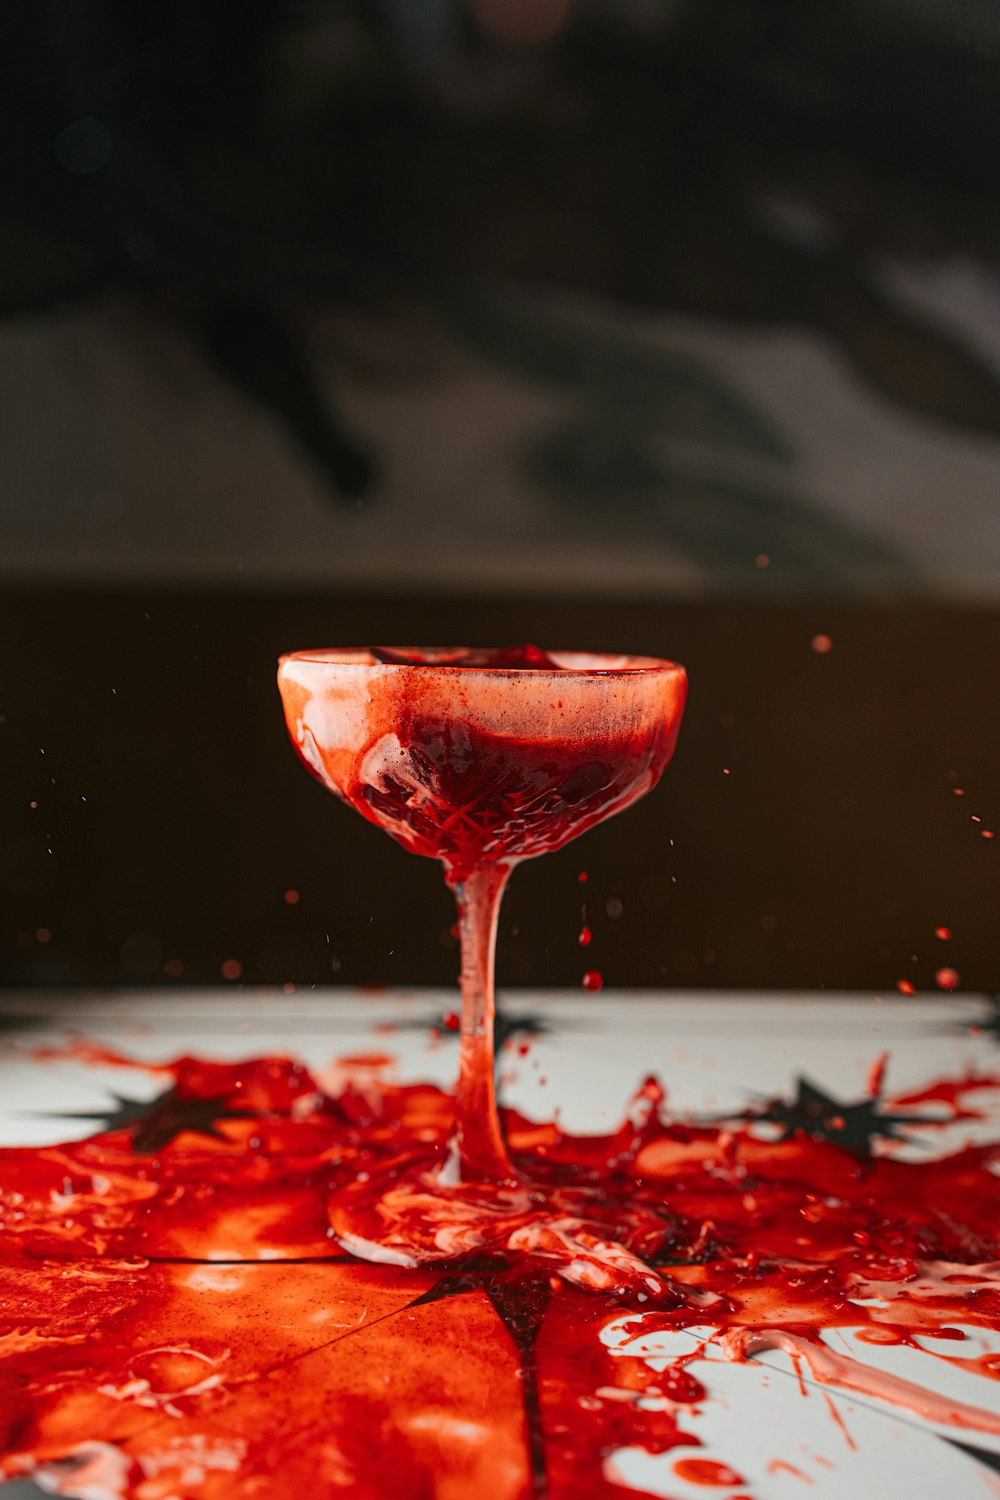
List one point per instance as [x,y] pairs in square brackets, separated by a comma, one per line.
[716,1054]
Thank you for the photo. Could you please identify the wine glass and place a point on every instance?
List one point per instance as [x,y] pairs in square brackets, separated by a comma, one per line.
[482,758]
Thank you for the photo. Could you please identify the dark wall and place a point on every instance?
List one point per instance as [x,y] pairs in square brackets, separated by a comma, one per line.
[177,816]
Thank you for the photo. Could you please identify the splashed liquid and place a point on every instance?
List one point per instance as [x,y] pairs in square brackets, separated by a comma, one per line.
[180,1313]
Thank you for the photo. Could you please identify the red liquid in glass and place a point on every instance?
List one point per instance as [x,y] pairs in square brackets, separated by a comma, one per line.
[430,770]
[481,759]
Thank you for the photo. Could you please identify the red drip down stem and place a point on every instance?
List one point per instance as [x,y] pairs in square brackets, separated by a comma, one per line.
[481,1150]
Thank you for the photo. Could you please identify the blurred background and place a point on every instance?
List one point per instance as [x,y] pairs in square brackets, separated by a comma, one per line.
[658,325]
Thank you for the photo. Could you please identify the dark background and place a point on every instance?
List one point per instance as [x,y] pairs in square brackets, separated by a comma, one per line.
[177,816]
[298,215]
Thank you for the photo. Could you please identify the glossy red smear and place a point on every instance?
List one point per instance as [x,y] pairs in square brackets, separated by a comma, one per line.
[706,1471]
[187,1320]
[850,1374]
[875,1081]
[951,1092]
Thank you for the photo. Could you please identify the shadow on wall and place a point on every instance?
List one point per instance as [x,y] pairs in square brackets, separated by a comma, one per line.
[511,279]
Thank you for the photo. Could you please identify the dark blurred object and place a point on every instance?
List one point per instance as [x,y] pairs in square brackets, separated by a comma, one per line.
[825,815]
[239,163]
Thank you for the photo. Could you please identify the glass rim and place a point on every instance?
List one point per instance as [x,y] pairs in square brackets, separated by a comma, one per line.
[338,657]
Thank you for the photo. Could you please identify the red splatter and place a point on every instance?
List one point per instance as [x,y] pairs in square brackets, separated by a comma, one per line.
[81,1049]
[706,1471]
[779,1466]
[951,1091]
[293,1359]
[876,1075]
[451,1020]
[839,1422]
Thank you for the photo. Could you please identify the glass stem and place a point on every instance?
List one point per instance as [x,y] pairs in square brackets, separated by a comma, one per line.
[481,1149]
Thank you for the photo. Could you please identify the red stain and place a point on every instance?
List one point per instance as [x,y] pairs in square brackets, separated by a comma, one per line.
[839,1421]
[779,1466]
[706,1471]
[951,1092]
[876,1075]
[195,1297]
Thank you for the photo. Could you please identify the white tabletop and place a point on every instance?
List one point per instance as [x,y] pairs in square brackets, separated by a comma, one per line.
[716,1054]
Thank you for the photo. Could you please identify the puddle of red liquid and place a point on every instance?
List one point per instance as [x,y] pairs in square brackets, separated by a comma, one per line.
[178,1317]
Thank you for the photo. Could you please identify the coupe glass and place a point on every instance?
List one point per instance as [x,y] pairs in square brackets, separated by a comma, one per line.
[461,755]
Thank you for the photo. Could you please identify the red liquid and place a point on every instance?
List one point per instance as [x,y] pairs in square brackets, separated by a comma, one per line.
[469,798]
[481,759]
[445,789]
[187,1307]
